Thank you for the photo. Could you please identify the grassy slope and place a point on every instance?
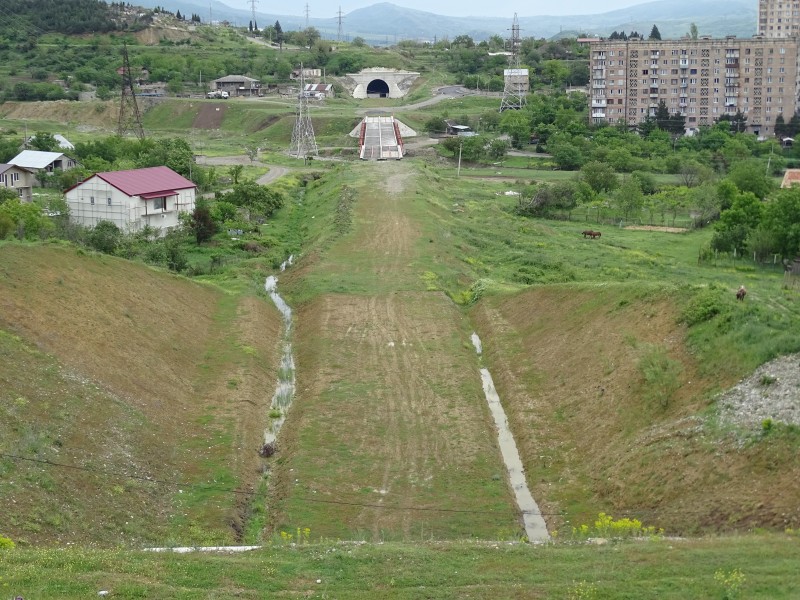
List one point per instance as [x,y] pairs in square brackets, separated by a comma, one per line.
[118,368]
[388,436]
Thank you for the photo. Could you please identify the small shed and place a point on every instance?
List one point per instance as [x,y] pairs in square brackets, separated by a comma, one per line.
[318,90]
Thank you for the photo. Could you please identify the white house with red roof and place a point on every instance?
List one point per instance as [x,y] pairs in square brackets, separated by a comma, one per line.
[153,196]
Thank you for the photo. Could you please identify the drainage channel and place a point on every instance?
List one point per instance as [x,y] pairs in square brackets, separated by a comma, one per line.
[535,527]
[284,390]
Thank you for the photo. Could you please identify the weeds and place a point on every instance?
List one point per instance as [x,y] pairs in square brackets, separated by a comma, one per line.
[582,591]
[731,582]
[605,526]
[661,374]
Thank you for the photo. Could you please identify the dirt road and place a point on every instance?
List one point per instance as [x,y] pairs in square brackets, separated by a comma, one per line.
[389,435]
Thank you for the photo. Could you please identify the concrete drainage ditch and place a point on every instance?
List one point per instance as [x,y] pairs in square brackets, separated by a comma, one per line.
[532,520]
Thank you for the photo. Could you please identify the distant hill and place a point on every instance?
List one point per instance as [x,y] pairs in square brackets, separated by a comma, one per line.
[385,23]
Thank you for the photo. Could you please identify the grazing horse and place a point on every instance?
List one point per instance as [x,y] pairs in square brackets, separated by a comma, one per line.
[587,233]
[595,234]
[741,293]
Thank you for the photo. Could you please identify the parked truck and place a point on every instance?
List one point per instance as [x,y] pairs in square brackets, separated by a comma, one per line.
[217,94]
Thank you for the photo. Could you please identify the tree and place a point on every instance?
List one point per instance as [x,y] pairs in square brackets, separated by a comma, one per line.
[751,176]
[693,33]
[202,224]
[174,153]
[782,218]
[567,156]
[737,223]
[497,149]
[104,237]
[781,128]
[555,72]
[279,34]
[235,172]
[45,142]
[599,176]
[517,125]
[359,41]
[629,198]
[259,200]
[655,34]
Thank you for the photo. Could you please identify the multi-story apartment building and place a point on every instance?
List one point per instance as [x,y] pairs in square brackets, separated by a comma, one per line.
[778,18]
[702,79]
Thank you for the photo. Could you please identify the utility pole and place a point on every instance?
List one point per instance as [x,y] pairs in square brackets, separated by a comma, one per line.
[458,172]
[307,13]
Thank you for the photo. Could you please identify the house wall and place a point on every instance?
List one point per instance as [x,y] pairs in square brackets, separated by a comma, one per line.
[127,213]
[22,184]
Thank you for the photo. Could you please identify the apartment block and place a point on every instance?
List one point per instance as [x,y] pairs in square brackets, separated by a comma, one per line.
[778,19]
[702,79]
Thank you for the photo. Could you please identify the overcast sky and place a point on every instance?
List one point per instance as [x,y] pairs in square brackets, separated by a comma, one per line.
[463,8]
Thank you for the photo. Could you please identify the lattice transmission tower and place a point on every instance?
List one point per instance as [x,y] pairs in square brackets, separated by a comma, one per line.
[339,32]
[253,9]
[304,144]
[130,119]
[515,78]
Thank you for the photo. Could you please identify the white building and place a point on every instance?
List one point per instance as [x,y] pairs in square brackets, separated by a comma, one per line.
[35,160]
[132,199]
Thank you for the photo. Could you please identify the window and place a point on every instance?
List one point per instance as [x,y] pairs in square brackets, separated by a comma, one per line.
[160,204]
[91,200]
[108,201]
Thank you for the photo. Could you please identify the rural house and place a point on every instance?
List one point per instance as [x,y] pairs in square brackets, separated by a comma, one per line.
[132,199]
[19,179]
[237,85]
[35,160]
[318,91]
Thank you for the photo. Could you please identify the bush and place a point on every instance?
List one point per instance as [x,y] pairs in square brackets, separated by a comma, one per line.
[703,307]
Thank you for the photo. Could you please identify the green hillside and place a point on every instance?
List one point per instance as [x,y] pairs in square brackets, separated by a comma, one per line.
[598,268]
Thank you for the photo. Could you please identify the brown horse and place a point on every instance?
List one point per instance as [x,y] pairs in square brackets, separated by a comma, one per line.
[741,293]
[595,234]
[591,234]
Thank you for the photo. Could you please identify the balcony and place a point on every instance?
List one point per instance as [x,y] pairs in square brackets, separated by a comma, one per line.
[598,85]
[601,114]
[684,63]
[599,102]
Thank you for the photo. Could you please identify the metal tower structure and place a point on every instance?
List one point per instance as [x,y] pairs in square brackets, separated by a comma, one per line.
[304,143]
[130,119]
[515,78]
[253,9]
[308,11]
[339,20]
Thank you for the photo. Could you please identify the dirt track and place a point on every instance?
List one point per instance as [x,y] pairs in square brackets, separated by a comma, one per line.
[390,411]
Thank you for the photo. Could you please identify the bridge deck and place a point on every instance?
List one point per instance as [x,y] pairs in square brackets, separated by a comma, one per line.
[380,140]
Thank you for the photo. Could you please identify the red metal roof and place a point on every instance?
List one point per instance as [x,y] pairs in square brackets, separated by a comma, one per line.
[137,182]
[790,178]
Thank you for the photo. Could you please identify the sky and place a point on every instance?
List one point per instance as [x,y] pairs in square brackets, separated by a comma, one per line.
[458,8]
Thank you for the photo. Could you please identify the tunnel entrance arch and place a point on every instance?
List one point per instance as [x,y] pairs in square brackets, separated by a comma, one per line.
[377,88]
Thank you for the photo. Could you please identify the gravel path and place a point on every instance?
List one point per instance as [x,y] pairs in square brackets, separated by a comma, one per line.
[771,392]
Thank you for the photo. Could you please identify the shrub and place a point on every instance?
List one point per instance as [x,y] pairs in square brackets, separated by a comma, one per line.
[703,307]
